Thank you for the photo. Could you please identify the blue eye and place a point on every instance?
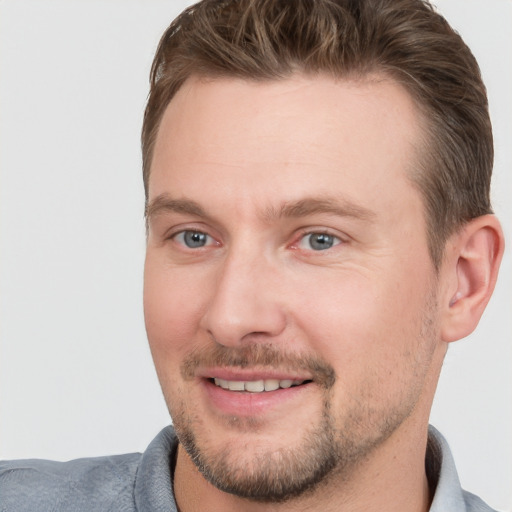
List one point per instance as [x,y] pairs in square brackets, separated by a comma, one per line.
[318,241]
[193,239]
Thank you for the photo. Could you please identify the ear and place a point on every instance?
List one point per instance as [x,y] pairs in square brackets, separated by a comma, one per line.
[470,269]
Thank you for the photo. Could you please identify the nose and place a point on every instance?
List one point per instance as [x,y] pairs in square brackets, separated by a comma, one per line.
[245,304]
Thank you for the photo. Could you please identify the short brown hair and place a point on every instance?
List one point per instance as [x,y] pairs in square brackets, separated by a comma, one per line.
[404,39]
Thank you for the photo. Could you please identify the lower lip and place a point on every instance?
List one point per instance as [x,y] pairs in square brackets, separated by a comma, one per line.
[246,404]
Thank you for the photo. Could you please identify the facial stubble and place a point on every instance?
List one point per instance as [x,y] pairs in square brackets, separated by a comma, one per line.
[327,451]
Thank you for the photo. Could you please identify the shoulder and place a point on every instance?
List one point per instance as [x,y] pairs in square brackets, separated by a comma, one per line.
[84,484]
[102,484]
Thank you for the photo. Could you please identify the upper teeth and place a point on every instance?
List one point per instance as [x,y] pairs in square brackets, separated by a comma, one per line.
[256,386]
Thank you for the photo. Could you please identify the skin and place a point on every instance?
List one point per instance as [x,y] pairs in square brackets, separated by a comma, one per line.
[256,168]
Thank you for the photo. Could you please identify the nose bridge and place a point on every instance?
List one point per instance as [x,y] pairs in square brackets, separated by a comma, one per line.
[245,300]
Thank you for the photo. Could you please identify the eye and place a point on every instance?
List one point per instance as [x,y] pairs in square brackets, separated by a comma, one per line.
[193,239]
[318,241]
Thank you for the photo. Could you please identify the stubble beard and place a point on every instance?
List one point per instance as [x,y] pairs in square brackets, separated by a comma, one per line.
[270,476]
[329,450]
[325,454]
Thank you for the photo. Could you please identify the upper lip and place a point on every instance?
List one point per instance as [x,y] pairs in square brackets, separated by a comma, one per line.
[245,375]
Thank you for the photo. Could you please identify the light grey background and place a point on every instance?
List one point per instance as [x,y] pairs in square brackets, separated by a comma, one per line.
[76,377]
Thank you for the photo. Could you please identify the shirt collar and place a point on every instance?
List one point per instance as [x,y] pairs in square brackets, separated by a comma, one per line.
[153,490]
[440,467]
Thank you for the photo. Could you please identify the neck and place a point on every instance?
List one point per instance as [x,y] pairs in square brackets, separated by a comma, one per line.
[392,479]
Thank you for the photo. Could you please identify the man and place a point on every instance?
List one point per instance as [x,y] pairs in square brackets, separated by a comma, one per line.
[319,229]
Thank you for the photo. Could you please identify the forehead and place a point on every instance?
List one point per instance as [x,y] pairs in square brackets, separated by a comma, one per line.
[246,138]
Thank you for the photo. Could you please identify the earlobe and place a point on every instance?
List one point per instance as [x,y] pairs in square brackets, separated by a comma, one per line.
[476,252]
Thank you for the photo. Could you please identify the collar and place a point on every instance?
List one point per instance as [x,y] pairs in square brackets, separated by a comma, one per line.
[443,477]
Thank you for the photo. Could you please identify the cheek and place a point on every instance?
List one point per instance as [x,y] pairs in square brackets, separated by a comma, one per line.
[366,326]
[172,311]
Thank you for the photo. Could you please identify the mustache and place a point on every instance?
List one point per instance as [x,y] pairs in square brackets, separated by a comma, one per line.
[257,355]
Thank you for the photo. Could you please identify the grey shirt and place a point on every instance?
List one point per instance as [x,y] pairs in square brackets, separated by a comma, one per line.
[143,482]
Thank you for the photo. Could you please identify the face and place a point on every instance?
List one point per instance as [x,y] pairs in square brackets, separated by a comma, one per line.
[290,300]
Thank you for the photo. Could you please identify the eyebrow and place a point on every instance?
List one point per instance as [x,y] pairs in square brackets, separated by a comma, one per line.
[291,209]
[164,203]
[315,205]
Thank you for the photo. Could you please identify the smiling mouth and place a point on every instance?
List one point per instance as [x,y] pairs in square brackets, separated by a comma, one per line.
[257,386]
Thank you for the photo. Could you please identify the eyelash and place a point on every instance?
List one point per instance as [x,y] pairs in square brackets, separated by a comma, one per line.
[336,240]
[186,239]
[192,232]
